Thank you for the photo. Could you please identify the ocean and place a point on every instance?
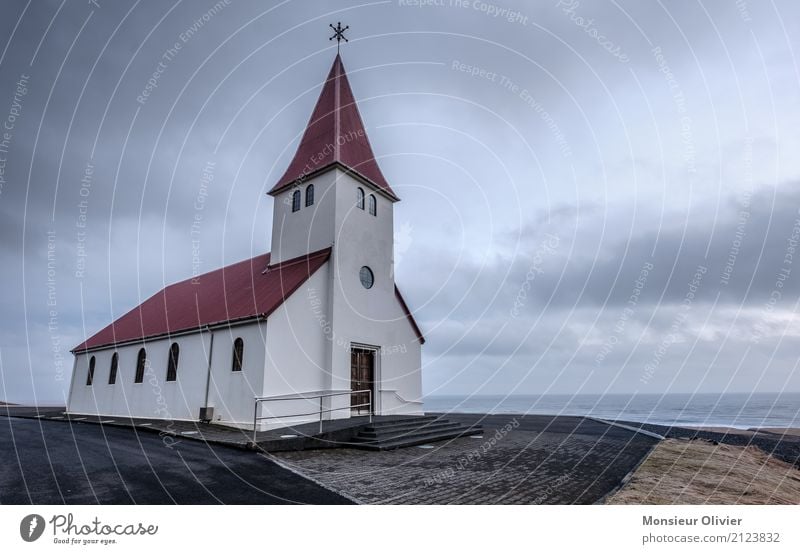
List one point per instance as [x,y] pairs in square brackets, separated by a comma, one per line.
[739,410]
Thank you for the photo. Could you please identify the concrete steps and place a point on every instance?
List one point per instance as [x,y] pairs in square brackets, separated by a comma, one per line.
[409,432]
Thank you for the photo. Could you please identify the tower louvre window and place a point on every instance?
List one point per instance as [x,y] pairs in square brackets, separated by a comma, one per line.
[295,200]
[310,195]
[360,198]
[373,205]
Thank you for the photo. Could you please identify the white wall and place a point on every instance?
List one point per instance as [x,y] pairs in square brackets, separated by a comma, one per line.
[307,230]
[297,349]
[371,316]
[231,393]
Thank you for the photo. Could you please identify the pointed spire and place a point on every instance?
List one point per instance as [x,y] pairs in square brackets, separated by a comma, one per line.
[335,135]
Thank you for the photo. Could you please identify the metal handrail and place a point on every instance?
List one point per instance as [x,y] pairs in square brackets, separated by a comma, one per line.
[309,396]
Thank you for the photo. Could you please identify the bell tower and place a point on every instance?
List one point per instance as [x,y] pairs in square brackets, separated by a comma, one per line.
[333,173]
[333,194]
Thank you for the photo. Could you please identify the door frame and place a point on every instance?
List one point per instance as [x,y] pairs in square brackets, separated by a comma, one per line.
[376,370]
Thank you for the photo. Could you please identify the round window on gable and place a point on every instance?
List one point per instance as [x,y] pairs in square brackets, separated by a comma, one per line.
[367,278]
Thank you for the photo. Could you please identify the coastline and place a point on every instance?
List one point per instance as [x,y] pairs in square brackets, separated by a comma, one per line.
[742,411]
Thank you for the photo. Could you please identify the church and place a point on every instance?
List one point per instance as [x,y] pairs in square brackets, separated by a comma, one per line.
[316,329]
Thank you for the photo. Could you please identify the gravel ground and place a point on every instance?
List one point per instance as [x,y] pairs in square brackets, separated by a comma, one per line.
[680,471]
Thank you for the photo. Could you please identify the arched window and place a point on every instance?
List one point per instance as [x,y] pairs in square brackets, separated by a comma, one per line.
[238,352]
[141,360]
[373,205]
[310,195]
[90,375]
[360,198]
[172,362]
[112,373]
[295,200]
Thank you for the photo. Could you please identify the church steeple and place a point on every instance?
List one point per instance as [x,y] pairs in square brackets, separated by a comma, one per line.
[335,136]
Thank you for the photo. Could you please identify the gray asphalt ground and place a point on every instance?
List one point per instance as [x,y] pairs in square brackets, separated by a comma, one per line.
[57,462]
[538,459]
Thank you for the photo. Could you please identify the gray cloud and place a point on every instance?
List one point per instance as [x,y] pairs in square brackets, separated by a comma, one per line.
[623,165]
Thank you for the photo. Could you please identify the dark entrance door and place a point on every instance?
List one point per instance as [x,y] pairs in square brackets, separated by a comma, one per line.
[362,378]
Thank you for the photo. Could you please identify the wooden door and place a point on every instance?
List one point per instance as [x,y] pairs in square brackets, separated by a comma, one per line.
[362,378]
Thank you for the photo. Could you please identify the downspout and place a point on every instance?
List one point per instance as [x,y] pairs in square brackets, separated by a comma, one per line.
[71,381]
[210,358]
[330,349]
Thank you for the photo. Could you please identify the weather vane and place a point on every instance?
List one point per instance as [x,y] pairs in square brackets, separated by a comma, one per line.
[338,34]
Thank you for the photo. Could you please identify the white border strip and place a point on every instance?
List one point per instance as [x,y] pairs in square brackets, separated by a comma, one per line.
[628,427]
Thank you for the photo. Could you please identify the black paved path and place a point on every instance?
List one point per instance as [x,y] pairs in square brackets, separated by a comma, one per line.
[518,459]
[52,462]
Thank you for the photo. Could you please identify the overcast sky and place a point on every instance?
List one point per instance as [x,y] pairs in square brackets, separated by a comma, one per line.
[602,197]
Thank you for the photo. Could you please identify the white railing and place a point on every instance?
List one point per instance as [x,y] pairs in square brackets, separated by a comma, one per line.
[310,396]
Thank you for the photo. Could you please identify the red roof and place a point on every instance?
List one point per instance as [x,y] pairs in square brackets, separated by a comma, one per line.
[334,135]
[410,317]
[240,291]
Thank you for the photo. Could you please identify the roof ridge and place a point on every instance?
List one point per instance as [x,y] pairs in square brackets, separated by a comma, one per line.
[337,112]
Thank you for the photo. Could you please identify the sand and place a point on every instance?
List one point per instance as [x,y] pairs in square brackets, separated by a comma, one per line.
[701,472]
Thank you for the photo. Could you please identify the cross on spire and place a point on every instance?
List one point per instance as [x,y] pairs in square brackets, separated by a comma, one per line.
[338,34]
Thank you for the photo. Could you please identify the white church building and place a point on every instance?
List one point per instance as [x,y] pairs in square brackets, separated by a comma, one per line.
[315,328]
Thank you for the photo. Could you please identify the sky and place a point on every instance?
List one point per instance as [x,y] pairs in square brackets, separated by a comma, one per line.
[602,196]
